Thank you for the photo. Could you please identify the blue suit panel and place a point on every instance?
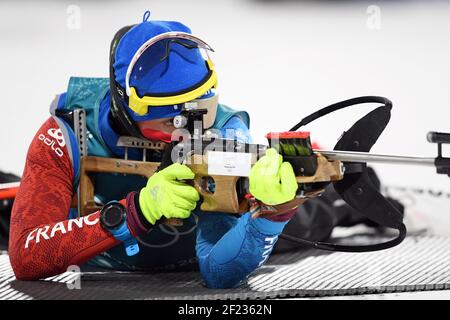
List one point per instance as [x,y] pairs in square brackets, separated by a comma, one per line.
[229,248]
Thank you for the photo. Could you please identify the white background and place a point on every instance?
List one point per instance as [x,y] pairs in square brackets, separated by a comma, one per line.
[279,60]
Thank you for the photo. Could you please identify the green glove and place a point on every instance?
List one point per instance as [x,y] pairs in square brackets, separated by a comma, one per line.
[165,196]
[273,181]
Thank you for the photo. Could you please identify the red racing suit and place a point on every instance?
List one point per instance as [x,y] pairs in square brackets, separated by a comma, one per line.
[43,242]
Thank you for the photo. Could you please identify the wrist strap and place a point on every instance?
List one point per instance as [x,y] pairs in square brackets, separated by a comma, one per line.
[136,222]
[124,234]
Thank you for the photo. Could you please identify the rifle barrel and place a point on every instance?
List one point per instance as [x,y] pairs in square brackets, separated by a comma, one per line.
[352,156]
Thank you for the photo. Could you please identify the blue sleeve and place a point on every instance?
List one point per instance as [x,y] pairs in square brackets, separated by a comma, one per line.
[62,100]
[230,248]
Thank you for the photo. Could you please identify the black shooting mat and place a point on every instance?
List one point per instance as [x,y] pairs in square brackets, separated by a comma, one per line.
[421,262]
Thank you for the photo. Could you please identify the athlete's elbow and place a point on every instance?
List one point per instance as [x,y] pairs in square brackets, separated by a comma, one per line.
[20,269]
[21,273]
[218,278]
[29,271]
[24,266]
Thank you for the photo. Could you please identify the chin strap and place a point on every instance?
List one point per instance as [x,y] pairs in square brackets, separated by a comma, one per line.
[121,118]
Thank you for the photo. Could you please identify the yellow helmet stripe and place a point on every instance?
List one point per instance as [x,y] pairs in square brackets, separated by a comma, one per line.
[140,105]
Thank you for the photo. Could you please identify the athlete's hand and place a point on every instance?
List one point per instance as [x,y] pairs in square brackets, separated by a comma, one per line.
[273,181]
[166,196]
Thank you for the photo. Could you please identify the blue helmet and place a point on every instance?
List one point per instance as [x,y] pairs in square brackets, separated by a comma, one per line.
[155,67]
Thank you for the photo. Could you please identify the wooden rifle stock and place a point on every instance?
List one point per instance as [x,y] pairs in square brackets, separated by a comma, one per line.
[224,197]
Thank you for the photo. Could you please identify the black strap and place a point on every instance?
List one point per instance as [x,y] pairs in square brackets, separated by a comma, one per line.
[357,188]
[341,105]
[347,248]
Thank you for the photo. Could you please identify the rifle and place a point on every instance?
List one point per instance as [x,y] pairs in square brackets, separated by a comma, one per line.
[221,167]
